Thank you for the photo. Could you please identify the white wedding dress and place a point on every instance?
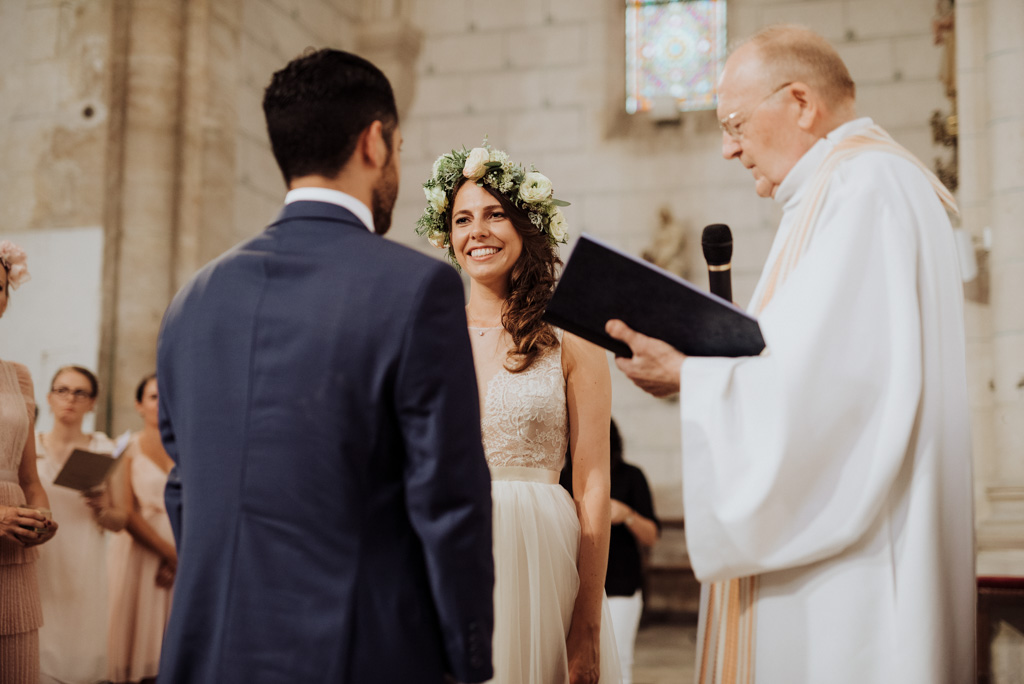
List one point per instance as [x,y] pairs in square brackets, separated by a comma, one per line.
[536,529]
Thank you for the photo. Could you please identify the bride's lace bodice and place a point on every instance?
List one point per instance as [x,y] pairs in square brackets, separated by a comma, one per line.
[525,421]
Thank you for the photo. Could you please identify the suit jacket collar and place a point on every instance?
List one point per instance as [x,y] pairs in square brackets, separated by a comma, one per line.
[317,211]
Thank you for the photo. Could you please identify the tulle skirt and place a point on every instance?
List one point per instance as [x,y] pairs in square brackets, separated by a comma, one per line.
[536,544]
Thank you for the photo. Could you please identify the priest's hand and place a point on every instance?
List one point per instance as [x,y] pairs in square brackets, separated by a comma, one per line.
[655,365]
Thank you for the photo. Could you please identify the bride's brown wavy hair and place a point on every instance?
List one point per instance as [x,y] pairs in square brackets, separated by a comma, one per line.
[531,283]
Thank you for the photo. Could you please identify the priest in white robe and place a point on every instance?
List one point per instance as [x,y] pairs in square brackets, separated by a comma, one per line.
[827,482]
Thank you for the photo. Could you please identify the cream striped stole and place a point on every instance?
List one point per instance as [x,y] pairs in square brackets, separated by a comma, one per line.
[726,655]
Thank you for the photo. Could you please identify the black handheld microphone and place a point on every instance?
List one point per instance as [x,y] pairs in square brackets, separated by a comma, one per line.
[717,244]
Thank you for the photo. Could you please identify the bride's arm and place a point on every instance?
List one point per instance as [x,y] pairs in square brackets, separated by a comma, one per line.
[588,394]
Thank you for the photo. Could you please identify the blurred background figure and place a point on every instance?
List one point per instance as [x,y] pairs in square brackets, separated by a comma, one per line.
[142,559]
[634,525]
[73,569]
[23,504]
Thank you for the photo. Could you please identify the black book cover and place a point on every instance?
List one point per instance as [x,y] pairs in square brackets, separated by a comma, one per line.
[600,283]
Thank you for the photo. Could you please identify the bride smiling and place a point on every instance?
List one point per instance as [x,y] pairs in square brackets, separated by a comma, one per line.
[541,391]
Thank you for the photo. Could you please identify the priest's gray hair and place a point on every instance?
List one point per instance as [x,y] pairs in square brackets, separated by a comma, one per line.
[791,53]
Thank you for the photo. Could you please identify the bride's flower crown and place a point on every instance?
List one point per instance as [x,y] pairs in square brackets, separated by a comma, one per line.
[13,260]
[528,190]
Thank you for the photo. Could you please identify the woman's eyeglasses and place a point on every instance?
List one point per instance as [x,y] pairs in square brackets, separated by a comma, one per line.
[68,393]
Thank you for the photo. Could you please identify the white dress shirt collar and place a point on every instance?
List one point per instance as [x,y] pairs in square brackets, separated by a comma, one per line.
[330,196]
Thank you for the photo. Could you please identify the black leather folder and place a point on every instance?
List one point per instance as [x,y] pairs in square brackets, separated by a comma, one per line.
[600,283]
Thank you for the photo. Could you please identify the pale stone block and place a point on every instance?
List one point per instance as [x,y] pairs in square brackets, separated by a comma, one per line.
[1008,224]
[868,61]
[489,15]
[40,33]
[1007,154]
[331,28]
[547,130]
[442,95]
[1006,99]
[453,132]
[824,16]
[505,91]
[415,146]
[259,22]
[875,18]
[972,105]
[463,53]
[1009,439]
[565,11]
[571,86]
[980,373]
[1007,286]
[742,22]
[1005,19]
[978,323]
[353,9]
[1008,366]
[917,57]
[249,106]
[36,89]
[971,36]
[441,16]
[253,211]
[292,39]
[257,63]
[906,104]
[573,172]
[546,47]
[257,168]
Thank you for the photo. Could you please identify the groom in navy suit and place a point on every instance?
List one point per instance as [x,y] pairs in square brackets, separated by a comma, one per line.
[330,499]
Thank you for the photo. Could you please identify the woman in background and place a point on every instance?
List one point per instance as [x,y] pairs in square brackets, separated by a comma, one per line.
[142,559]
[73,569]
[22,526]
[634,525]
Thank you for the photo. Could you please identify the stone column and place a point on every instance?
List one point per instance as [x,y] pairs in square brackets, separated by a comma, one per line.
[209,129]
[1004,61]
[974,200]
[142,207]
[990,53]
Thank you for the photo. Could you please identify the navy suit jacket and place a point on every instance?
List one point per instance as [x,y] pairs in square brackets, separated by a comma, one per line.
[330,500]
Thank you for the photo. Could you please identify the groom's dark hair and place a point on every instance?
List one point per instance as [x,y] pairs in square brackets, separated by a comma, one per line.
[317,106]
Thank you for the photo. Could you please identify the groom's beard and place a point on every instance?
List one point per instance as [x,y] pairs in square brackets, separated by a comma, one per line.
[382,199]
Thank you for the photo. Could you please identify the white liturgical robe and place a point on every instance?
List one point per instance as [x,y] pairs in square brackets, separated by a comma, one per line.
[836,466]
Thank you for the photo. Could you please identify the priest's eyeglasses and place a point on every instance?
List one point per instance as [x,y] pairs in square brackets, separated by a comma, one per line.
[730,125]
[73,395]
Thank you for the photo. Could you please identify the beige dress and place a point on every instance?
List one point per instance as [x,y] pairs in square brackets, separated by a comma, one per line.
[525,424]
[20,612]
[138,607]
[72,572]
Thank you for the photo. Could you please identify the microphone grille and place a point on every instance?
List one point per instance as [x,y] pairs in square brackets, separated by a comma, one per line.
[717,243]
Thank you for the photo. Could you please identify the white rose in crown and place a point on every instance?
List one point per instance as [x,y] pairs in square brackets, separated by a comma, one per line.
[438,239]
[476,163]
[557,227]
[535,188]
[437,198]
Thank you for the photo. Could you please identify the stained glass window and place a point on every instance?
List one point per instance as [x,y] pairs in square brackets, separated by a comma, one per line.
[674,48]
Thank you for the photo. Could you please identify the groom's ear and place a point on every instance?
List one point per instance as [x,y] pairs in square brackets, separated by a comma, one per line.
[372,149]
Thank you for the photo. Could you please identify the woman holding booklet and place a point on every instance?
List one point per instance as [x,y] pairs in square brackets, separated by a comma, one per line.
[540,391]
[73,569]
